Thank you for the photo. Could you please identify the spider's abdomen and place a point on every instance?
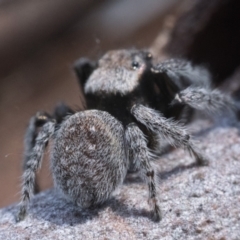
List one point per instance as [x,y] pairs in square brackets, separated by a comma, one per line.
[89,158]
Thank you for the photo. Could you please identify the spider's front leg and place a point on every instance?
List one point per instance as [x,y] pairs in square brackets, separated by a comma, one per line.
[190,85]
[173,132]
[140,155]
[205,99]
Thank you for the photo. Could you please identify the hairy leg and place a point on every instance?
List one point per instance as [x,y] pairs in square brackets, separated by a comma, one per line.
[84,68]
[35,123]
[61,112]
[182,73]
[32,165]
[211,101]
[141,156]
[168,129]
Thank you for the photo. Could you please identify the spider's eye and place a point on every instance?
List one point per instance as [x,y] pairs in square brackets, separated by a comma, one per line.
[135,65]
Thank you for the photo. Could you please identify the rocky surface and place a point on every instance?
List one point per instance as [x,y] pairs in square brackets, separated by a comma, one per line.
[196,202]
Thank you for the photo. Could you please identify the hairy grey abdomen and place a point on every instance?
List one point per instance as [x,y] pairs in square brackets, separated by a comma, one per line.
[89,159]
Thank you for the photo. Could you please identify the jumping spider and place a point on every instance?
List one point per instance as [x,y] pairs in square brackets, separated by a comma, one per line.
[131,107]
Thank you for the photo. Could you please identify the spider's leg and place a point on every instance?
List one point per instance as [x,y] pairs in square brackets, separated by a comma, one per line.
[141,156]
[212,101]
[61,112]
[35,123]
[84,68]
[31,166]
[190,85]
[180,73]
[172,131]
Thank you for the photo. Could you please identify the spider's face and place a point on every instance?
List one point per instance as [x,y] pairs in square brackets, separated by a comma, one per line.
[118,72]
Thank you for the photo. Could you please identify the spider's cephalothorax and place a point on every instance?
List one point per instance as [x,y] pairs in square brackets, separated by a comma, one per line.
[129,105]
[124,78]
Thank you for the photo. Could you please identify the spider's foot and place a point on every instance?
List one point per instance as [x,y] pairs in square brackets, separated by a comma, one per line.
[156,212]
[21,214]
[156,215]
[202,161]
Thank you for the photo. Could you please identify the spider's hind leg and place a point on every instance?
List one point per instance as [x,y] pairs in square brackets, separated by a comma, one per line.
[41,127]
[33,163]
[35,123]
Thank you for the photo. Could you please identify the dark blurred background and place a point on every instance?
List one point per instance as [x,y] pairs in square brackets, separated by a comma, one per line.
[40,40]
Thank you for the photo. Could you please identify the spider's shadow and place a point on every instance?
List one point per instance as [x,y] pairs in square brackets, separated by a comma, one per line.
[66,213]
[62,212]
[163,175]
[178,169]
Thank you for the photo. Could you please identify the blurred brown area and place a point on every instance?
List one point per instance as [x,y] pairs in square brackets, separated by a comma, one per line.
[39,41]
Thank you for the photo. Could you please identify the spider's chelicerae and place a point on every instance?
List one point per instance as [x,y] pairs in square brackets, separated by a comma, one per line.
[131,107]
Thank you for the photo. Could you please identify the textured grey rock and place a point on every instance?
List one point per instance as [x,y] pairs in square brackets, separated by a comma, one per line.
[196,202]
